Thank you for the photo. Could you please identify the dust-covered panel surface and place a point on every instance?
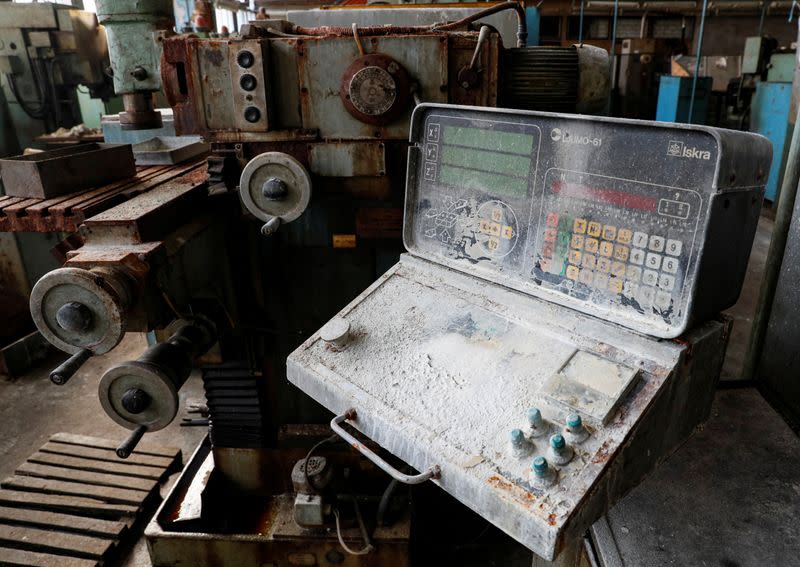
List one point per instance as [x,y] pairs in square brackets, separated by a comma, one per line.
[442,367]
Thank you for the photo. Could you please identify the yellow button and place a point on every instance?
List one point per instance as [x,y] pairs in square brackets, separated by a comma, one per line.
[591,245]
[594,229]
[508,232]
[589,261]
[575,257]
[624,235]
[618,269]
[497,215]
[606,248]
[621,252]
[577,241]
[609,232]
[615,285]
[579,226]
[572,272]
[587,276]
[603,265]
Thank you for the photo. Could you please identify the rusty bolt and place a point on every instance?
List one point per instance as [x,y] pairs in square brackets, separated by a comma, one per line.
[139,73]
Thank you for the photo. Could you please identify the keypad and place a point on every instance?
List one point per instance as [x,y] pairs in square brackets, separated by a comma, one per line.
[614,260]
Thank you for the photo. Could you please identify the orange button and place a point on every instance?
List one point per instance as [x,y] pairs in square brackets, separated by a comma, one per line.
[594,229]
[606,248]
[579,226]
[572,272]
[575,257]
[591,245]
[609,232]
[552,219]
[624,235]
[621,252]
[577,241]
[603,265]
[550,235]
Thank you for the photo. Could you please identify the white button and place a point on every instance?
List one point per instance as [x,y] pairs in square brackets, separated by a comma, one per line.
[666,282]
[640,239]
[657,243]
[633,273]
[653,261]
[630,289]
[646,295]
[637,256]
[670,265]
[674,247]
[650,277]
[663,299]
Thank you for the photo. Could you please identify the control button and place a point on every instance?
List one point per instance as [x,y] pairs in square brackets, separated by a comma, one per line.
[572,272]
[666,282]
[430,170]
[615,285]
[600,281]
[624,235]
[577,241]
[575,257]
[545,265]
[589,261]
[650,277]
[497,214]
[431,151]
[433,132]
[637,256]
[483,226]
[603,265]
[610,232]
[493,243]
[633,273]
[656,243]
[653,261]
[640,239]
[579,226]
[591,245]
[606,248]
[495,228]
[618,269]
[547,249]
[549,234]
[670,264]
[245,59]
[674,247]
[646,295]
[630,289]
[621,252]
[507,233]
[252,114]
[663,300]
[594,229]
[552,219]
[586,276]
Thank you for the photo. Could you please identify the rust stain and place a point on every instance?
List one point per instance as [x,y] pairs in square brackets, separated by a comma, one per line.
[603,454]
[551,519]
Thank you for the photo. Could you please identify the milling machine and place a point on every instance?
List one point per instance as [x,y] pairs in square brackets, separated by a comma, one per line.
[288,108]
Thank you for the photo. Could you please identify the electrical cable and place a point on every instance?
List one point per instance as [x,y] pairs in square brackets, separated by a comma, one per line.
[36,114]
[368,547]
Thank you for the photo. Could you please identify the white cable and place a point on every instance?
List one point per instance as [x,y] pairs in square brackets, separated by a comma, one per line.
[363,551]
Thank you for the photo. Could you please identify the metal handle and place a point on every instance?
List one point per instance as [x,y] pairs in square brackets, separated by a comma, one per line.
[67,369]
[434,472]
[124,451]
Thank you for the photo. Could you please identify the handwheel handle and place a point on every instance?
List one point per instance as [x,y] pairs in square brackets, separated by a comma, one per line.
[432,473]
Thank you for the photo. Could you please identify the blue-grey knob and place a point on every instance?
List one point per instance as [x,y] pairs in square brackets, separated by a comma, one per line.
[517,438]
[534,417]
[574,421]
[540,467]
[557,442]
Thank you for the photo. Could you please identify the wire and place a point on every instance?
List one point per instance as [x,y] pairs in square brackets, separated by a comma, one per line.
[367,544]
[36,114]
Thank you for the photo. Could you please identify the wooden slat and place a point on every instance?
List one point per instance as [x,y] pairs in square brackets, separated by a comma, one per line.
[22,558]
[36,539]
[140,176]
[95,527]
[105,493]
[102,454]
[94,478]
[68,504]
[79,463]
[143,448]
[11,201]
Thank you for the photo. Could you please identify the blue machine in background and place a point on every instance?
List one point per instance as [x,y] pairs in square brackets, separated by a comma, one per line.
[769,116]
[675,95]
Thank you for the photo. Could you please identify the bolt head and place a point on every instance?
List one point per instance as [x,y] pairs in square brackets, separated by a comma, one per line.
[574,421]
[534,417]
[139,73]
[557,442]
[74,316]
[539,466]
[517,437]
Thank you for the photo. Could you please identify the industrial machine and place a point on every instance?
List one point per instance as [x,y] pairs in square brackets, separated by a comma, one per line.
[46,51]
[513,355]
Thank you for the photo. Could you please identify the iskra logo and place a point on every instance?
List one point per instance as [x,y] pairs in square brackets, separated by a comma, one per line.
[679,149]
[559,135]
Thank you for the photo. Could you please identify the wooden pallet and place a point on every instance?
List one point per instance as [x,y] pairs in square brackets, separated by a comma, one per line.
[73,502]
[65,213]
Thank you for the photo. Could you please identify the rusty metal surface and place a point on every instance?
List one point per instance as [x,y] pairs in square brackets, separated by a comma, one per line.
[375,89]
[67,212]
[57,172]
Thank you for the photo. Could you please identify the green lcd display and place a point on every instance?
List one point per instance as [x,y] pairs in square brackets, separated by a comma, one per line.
[487,160]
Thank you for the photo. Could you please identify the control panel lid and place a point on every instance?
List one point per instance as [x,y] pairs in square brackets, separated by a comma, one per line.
[611,217]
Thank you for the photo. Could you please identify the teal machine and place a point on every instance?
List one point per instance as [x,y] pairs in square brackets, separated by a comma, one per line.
[674,99]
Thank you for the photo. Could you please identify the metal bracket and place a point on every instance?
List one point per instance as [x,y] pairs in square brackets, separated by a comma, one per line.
[432,473]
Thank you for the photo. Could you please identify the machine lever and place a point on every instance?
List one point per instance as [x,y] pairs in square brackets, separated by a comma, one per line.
[432,473]
[67,369]
[124,451]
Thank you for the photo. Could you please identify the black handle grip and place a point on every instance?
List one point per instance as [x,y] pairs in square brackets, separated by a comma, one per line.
[67,369]
[124,451]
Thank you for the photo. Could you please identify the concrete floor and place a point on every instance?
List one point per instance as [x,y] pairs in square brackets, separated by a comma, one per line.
[32,409]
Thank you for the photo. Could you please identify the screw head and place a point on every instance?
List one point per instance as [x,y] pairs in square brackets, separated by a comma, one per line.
[534,417]
[574,421]
[139,73]
[539,466]
[557,442]
[517,437]
[74,316]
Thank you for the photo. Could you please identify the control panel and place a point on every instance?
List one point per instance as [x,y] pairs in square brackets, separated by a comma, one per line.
[608,216]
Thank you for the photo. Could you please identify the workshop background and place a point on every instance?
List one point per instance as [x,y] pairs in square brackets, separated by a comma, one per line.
[295,283]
